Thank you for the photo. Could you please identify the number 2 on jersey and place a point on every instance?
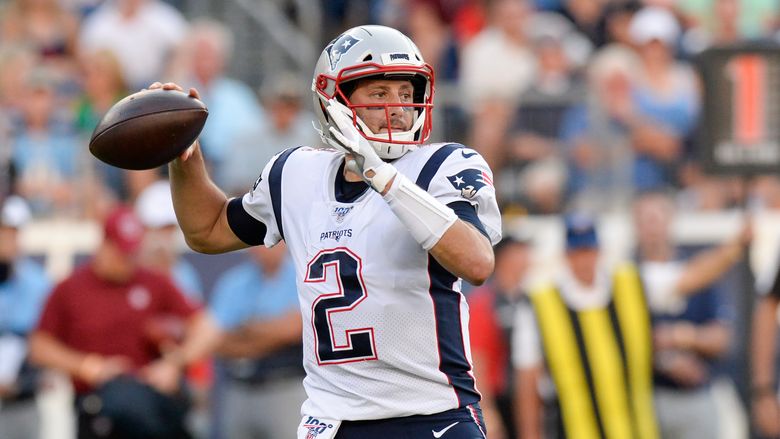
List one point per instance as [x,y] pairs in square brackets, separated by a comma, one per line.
[347,268]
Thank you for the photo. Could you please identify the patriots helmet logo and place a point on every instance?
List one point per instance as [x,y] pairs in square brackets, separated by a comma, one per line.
[339,47]
[470,181]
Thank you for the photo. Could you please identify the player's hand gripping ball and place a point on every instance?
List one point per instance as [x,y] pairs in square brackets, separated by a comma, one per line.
[148,129]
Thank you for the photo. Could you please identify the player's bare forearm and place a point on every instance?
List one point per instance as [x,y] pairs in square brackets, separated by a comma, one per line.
[201,207]
[465,252]
[763,342]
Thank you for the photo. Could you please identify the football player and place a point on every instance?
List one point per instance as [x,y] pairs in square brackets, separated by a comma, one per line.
[382,228]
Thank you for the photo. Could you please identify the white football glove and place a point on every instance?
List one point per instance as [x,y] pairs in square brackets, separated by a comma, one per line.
[426,218]
[365,161]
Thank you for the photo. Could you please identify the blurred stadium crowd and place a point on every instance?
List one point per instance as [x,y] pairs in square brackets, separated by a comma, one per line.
[577,105]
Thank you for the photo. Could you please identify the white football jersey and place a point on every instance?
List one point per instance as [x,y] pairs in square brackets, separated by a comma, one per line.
[385,329]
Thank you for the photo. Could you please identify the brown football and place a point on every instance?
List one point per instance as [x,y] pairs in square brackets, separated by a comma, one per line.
[148,129]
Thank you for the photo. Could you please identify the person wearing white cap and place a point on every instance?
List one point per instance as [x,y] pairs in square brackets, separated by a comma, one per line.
[24,287]
[666,99]
[654,23]
[160,251]
[154,208]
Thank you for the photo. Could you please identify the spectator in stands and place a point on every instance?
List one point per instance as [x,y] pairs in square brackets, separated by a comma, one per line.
[44,149]
[286,122]
[254,318]
[597,134]
[103,85]
[616,20]
[161,252]
[233,106]
[23,289]
[572,330]
[427,27]
[7,174]
[492,311]
[665,100]
[253,323]
[47,27]
[256,305]
[7,169]
[97,326]
[764,390]
[497,67]
[534,150]
[704,192]
[691,320]
[560,50]
[16,63]
[721,27]
[469,18]
[162,240]
[766,193]
[427,23]
[142,33]
[586,16]
[723,21]
[340,14]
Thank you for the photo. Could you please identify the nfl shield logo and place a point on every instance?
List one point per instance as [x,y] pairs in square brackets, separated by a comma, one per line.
[315,427]
[341,212]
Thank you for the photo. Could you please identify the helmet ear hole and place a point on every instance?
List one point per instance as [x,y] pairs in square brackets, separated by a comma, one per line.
[368,57]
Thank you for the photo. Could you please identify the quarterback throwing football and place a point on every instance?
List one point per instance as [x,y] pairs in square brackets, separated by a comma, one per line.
[381,228]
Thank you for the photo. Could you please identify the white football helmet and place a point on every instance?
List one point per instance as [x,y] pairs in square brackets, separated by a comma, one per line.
[369,51]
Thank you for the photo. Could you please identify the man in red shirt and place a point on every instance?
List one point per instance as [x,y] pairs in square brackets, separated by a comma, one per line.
[96,327]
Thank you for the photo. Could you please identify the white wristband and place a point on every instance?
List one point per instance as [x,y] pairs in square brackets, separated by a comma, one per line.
[426,217]
[382,175]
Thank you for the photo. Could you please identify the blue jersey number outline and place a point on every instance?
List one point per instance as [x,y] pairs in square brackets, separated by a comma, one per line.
[348,267]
